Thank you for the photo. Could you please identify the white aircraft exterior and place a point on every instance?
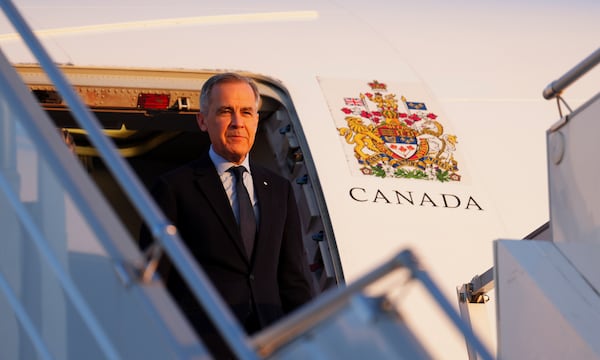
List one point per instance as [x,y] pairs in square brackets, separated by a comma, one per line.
[467,77]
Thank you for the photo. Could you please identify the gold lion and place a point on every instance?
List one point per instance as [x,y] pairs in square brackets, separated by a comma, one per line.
[362,136]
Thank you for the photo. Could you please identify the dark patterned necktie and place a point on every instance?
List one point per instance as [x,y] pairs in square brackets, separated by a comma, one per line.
[246,219]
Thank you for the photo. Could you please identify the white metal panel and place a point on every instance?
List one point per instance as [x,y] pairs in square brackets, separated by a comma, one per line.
[546,309]
[573,176]
[584,260]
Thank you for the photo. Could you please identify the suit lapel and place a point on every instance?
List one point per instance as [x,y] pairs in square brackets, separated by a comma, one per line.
[266,207]
[209,184]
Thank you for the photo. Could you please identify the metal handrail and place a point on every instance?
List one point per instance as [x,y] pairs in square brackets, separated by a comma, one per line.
[557,86]
[160,227]
[298,322]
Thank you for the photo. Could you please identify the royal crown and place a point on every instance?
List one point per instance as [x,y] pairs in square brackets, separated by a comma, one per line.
[376,85]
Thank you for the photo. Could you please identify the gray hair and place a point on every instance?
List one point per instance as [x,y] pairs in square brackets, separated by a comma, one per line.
[206,90]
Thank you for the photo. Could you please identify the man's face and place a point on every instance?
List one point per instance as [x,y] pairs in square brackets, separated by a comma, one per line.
[231,120]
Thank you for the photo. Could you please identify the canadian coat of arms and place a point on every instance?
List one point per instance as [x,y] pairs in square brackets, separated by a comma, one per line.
[401,143]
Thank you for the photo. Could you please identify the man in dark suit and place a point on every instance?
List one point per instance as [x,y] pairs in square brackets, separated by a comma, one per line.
[255,258]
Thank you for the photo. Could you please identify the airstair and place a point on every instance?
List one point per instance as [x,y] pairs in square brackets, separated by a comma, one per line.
[547,287]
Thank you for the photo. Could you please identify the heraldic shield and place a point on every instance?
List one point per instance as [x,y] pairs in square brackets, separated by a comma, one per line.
[401,141]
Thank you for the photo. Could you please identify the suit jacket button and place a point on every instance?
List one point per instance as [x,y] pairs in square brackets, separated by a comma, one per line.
[251,277]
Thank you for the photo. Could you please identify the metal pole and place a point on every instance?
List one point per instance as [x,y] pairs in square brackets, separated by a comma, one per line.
[557,86]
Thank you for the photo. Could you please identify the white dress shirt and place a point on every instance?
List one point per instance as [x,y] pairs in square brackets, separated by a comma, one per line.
[228,180]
